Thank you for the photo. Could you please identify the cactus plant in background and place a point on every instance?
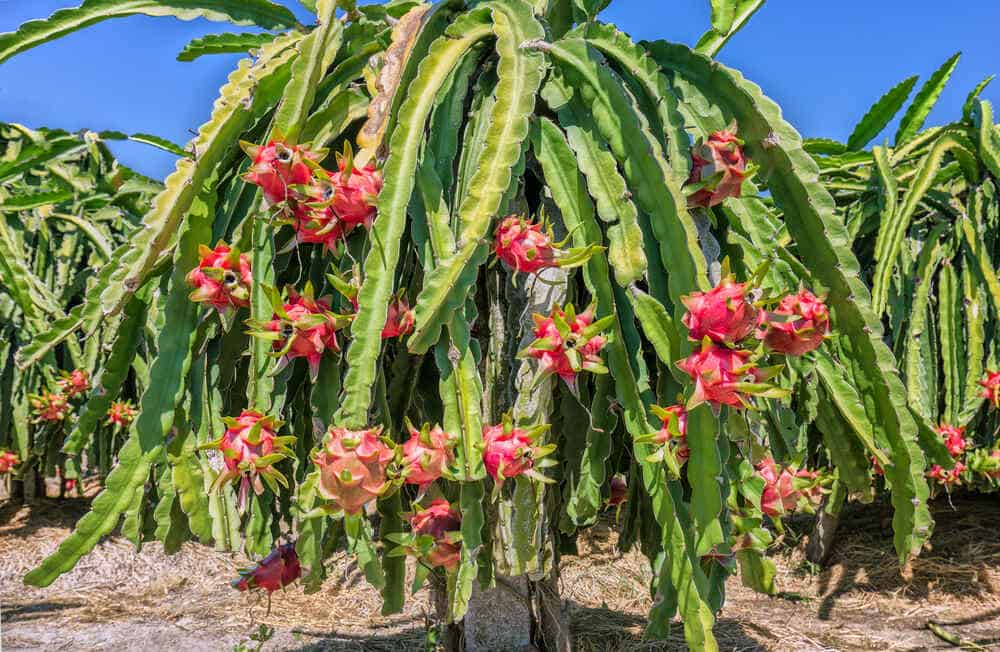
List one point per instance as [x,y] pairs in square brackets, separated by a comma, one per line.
[464,127]
[65,205]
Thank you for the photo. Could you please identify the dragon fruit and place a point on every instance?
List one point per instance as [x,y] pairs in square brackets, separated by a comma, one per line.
[719,375]
[49,407]
[718,167]
[8,461]
[723,314]
[120,414]
[355,192]
[277,570]
[618,491]
[435,528]
[250,447]
[426,455]
[797,326]
[222,278]
[954,439]
[568,343]
[74,383]
[399,320]
[783,488]
[674,430]
[527,246]
[302,327]
[314,219]
[352,467]
[945,476]
[509,452]
[278,168]
[991,388]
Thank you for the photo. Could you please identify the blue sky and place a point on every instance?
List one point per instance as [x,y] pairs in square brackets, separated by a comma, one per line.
[824,62]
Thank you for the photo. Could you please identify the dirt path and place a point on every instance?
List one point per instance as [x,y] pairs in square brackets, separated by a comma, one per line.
[117,599]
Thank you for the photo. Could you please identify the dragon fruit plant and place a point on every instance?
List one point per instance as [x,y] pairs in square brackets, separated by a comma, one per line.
[451,117]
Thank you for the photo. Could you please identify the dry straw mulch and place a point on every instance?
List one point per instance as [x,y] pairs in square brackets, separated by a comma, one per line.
[121,599]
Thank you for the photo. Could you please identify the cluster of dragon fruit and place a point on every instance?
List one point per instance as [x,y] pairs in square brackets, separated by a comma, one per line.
[734,329]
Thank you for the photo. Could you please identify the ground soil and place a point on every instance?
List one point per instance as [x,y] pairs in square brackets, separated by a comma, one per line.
[120,599]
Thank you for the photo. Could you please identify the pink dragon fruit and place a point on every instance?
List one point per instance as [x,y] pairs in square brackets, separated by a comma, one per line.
[120,414]
[618,491]
[250,447]
[954,439]
[74,383]
[568,343]
[991,388]
[718,374]
[435,528]
[302,327]
[509,452]
[426,455]
[355,192]
[876,467]
[222,279]
[783,487]
[719,167]
[945,476]
[8,461]
[797,326]
[399,320]
[280,568]
[674,430]
[527,246]
[278,168]
[352,467]
[315,221]
[49,407]
[723,314]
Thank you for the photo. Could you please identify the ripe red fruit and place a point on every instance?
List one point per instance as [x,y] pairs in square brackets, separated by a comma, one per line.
[305,328]
[399,319]
[8,461]
[250,447]
[280,568]
[277,167]
[674,429]
[717,373]
[797,326]
[352,466]
[618,489]
[991,386]
[523,245]
[74,383]
[954,439]
[426,455]
[723,314]
[719,164]
[568,343]
[439,521]
[509,451]
[120,414]
[355,194]
[222,278]
[49,407]
[781,493]
[945,476]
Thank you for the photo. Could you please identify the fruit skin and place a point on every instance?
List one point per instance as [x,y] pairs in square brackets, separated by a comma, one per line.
[426,455]
[723,314]
[721,164]
[120,414]
[250,447]
[399,319]
[618,491]
[277,570]
[509,452]
[306,330]
[716,372]
[781,495]
[523,246]
[8,461]
[991,386]
[674,430]
[566,343]
[49,407]
[798,325]
[355,194]
[954,439]
[318,224]
[352,467]
[75,383]
[439,521]
[945,476]
[222,278]
[277,167]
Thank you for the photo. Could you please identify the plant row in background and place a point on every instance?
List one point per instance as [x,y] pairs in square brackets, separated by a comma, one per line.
[446,280]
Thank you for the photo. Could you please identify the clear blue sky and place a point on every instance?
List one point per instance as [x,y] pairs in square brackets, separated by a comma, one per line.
[824,61]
